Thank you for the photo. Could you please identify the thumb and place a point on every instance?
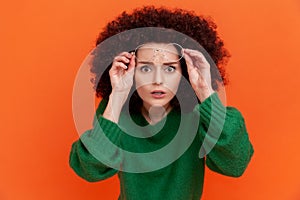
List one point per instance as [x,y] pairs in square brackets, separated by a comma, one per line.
[131,64]
[189,62]
[190,68]
[128,77]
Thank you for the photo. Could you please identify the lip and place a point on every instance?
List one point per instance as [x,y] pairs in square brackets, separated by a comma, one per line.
[158,94]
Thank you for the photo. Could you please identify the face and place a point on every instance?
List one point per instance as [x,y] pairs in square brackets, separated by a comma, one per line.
[157,74]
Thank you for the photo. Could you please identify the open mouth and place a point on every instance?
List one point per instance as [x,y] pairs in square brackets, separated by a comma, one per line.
[158,92]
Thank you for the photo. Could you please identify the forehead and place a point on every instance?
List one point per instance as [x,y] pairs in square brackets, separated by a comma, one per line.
[158,49]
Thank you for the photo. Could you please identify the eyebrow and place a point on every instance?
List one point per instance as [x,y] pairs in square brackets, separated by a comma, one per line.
[166,63]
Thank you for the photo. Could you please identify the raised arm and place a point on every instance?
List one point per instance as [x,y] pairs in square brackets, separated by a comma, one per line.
[95,155]
[227,146]
[223,133]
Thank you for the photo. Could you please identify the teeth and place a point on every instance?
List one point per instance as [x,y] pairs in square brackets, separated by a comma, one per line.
[159,93]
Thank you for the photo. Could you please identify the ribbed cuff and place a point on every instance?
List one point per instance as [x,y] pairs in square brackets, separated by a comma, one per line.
[107,128]
[103,142]
[210,108]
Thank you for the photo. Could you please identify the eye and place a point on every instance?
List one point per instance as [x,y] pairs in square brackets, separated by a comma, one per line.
[170,69]
[145,68]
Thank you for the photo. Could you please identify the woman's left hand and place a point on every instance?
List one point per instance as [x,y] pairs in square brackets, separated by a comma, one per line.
[199,73]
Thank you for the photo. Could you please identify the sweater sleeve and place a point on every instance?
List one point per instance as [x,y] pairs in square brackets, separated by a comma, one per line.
[225,139]
[95,156]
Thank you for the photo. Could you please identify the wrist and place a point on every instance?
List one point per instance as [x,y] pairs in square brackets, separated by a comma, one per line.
[112,111]
[204,93]
[118,97]
[115,105]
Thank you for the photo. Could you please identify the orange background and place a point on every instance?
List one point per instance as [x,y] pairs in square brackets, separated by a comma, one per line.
[43,44]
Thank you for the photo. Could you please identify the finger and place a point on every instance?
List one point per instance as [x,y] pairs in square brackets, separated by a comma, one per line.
[125,53]
[121,58]
[196,54]
[188,60]
[192,70]
[131,65]
[128,76]
[119,65]
[192,51]
[187,57]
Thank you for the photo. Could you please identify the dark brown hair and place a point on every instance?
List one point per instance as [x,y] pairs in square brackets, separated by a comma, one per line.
[199,28]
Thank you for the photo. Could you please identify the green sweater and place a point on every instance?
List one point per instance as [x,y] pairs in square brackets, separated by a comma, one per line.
[183,178]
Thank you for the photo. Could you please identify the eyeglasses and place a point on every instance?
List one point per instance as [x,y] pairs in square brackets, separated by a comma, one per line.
[171,52]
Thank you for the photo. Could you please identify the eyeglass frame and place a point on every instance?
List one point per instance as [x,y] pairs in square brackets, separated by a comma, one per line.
[180,54]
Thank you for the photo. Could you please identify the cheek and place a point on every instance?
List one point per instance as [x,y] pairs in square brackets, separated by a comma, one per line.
[142,79]
[143,92]
[173,82]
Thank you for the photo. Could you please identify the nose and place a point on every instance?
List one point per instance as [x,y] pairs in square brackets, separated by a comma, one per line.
[158,77]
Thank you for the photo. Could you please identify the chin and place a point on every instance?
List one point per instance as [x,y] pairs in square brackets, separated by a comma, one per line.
[158,103]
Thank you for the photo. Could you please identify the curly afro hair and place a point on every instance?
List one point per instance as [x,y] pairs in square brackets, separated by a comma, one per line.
[200,29]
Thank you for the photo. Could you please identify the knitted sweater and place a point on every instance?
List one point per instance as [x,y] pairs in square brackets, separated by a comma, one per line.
[181,179]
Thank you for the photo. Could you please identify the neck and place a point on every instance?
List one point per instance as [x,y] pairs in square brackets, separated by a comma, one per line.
[154,114]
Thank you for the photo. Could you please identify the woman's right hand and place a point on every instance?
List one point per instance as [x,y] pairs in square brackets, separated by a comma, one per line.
[121,76]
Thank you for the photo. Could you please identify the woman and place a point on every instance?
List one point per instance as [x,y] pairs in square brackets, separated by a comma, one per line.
[148,109]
